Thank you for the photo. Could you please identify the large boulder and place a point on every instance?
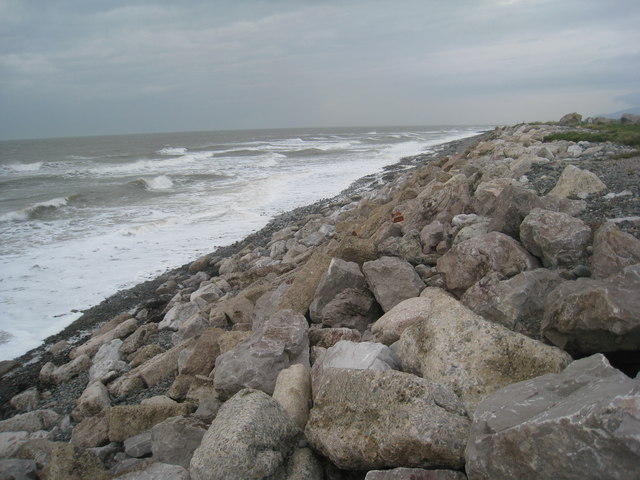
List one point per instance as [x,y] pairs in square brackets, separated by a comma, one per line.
[392,280]
[282,340]
[613,250]
[174,440]
[251,437]
[588,316]
[72,463]
[475,357]
[556,238]
[356,356]
[293,392]
[580,423]
[49,373]
[158,471]
[178,314]
[93,400]
[369,419]
[128,420]
[443,201]
[571,119]
[44,419]
[108,363]
[517,303]
[351,308]
[512,206]
[575,182]
[403,473]
[469,261]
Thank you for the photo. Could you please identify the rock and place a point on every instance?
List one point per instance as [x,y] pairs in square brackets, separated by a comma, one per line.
[199,264]
[613,250]
[163,365]
[293,392]
[10,442]
[92,431]
[587,416]
[178,314]
[138,338]
[26,400]
[557,238]
[299,295]
[69,462]
[443,201]
[350,355]
[327,337]
[282,340]
[238,309]
[471,231]
[368,419]
[107,363]
[167,287]
[6,366]
[388,328]
[158,471]
[630,119]
[516,303]
[512,206]
[52,374]
[432,234]
[392,280]
[90,347]
[251,437]
[414,474]
[174,440]
[304,466]
[458,348]
[564,205]
[128,420]
[351,308]
[574,181]
[588,316]
[44,419]
[93,400]
[469,261]
[110,326]
[205,351]
[208,409]
[145,353]
[571,119]
[487,193]
[14,469]
[139,445]
[206,295]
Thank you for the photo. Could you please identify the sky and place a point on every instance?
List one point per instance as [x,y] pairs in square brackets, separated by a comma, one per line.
[78,67]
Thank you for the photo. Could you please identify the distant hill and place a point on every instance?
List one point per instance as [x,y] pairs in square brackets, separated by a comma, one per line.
[617,115]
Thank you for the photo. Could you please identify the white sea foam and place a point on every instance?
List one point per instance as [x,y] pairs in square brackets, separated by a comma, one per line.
[24,167]
[161,182]
[172,151]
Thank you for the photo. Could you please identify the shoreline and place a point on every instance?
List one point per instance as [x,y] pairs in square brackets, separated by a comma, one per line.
[143,294]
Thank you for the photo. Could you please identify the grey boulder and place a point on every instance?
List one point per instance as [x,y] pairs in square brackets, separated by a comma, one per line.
[392,280]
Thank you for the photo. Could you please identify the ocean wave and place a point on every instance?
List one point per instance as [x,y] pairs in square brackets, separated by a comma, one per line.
[35,211]
[172,151]
[23,167]
[161,182]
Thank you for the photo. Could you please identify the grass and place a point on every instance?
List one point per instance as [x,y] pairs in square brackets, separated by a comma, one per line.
[616,133]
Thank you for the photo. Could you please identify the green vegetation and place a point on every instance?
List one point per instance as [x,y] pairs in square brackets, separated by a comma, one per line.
[615,132]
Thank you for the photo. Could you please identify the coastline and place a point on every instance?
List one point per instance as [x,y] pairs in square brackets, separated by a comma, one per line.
[25,368]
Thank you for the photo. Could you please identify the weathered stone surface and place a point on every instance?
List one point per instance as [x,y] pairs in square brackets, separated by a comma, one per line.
[392,280]
[469,261]
[282,340]
[574,181]
[91,431]
[31,421]
[93,400]
[443,201]
[72,463]
[512,206]
[388,328]
[15,469]
[52,374]
[205,295]
[414,474]
[205,351]
[299,295]
[339,276]
[174,440]
[158,471]
[94,343]
[107,363]
[613,250]
[238,309]
[251,437]
[139,445]
[293,392]
[10,442]
[138,338]
[517,303]
[588,316]
[456,347]
[472,230]
[351,308]
[350,355]
[26,400]
[128,420]
[556,238]
[328,337]
[487,193]
[178,314]
[586,417]
[304,465]
[432,234]
[145,353]
[367,419]
[571,119]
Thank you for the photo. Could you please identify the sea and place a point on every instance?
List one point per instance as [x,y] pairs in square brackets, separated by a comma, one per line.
[81,218]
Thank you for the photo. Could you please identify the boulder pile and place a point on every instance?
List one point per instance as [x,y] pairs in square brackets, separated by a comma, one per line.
[455,322]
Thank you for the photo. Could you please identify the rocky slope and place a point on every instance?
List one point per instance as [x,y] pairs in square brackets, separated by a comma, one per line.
[475,315]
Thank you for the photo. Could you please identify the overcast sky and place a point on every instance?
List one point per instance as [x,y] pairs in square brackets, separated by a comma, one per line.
[81,67]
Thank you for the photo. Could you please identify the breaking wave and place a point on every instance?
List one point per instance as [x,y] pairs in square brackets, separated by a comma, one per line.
[35,211]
